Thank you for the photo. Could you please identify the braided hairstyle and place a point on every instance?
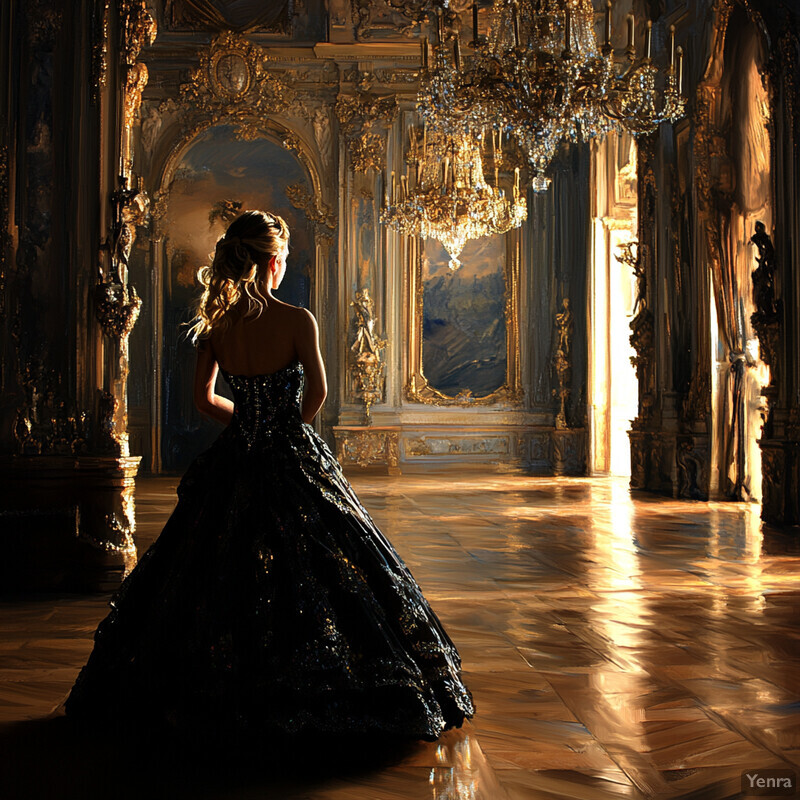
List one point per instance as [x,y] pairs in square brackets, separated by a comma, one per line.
[234,276]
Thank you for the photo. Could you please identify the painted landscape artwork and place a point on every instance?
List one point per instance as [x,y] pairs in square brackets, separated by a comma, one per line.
[464,318]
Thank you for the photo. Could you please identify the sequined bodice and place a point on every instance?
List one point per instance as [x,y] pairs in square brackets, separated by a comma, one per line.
[265,403]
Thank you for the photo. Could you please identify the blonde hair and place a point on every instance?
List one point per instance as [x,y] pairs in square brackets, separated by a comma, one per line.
[234,276]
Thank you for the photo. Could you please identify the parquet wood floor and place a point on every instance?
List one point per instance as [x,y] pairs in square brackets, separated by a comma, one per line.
[617,647]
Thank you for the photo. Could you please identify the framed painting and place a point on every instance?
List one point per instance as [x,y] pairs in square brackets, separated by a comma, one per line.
[465,324]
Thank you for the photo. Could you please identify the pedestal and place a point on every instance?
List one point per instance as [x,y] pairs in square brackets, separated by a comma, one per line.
[66,523]
[368,446]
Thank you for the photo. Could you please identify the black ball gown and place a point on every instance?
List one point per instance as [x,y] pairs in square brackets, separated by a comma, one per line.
[270,604]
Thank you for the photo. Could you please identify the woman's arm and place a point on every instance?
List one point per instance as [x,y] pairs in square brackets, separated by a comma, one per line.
[208,402]
[316,387]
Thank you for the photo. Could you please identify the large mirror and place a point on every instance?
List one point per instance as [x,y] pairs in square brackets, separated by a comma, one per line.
[216,177]
[464,326]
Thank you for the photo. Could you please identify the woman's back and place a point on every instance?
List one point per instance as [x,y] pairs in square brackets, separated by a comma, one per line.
[262,345]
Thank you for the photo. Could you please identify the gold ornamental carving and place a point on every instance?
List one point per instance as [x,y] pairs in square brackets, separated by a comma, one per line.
[233,83]
[311,205]
[562,362]
[364,119]
[697,405]
[366,448]
[366,365]
[137,29]
[636,257]
[47,423]
[117,307]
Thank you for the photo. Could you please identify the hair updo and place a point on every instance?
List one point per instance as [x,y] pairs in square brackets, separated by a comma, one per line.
[234,274]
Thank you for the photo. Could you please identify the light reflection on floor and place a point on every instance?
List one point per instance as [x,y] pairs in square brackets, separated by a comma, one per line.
[616,647]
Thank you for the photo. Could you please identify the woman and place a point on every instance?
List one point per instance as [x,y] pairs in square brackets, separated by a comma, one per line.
[271,603]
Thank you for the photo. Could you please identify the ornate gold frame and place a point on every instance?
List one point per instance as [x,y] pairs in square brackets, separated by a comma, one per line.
[417,388]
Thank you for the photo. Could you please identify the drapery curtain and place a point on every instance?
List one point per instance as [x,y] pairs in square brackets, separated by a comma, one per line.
[733,321]
[733,150]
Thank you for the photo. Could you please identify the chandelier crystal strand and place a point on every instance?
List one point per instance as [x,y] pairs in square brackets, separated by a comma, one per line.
[542,77]
[446,194]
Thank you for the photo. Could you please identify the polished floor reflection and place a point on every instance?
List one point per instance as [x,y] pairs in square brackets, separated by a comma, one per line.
[616,647]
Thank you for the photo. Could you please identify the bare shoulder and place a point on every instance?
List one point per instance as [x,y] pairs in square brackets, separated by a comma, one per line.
[295,312]
[305,317]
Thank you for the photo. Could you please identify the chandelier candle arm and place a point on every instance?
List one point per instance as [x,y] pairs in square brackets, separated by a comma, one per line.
[671,70]
[567,53]
[680,71]
[424,47]
[457,53]
[607,49]
[648,41]
[630,50]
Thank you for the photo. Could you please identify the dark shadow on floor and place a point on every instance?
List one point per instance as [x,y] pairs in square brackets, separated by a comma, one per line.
[48,759]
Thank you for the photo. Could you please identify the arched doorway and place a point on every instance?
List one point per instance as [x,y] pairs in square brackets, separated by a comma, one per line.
[217,175]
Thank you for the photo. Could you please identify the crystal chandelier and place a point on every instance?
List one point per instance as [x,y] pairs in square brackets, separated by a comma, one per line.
[540,77]
[445,194]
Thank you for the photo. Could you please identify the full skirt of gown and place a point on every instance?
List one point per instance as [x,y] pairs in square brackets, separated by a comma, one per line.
[270,604]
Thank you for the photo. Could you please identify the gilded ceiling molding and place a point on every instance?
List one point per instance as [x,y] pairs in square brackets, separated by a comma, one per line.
[374,18]
[275,17]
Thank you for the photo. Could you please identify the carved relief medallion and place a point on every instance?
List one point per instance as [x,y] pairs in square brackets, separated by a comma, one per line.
[230,73]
